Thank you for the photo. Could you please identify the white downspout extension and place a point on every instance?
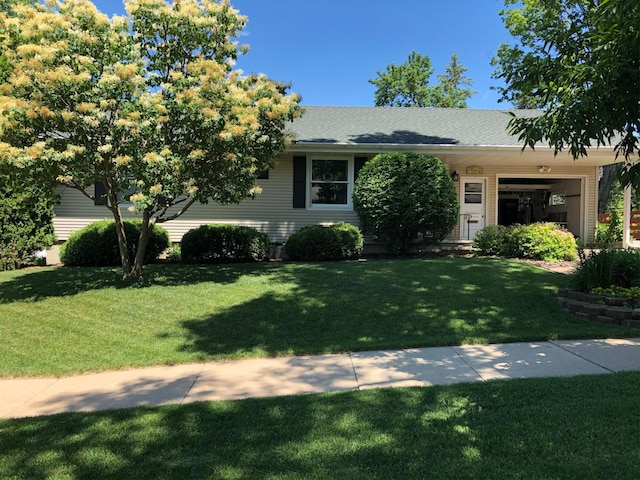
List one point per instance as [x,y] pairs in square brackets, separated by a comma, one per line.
[626,218]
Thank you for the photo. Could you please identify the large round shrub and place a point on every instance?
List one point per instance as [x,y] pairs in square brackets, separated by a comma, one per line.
[223,243]
[96,245]
[340,241]
[398,196]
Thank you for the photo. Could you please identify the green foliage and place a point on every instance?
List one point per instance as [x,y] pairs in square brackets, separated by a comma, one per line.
[632,293]
[608,233]
[449,92]
[26,215]
[174,254]
[578,61]
[607,268]
[341,241]
[407,85]
[223,243]
[538,241]
[97,244]
[544,241]
[398,196]
[490,240]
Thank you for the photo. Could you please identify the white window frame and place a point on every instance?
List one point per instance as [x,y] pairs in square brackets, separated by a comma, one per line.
[350,173]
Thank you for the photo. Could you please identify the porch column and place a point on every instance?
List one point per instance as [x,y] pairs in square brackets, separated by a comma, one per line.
[626,217]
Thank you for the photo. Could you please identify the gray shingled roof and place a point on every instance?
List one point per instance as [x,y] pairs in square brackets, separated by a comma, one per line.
[405,126]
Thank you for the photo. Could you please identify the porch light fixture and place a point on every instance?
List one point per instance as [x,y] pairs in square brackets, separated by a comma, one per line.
[454,176]
[544,169]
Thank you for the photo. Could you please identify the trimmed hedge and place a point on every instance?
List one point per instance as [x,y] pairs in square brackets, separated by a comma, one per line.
[96,245]
[538,241]
[223,243]
[340,241]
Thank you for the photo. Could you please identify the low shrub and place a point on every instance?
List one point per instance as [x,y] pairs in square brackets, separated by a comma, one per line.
[223,243]
[544,241]
[538,241]
[632,293]
[96,245]
[607,268]
[340,241]
[490,240]
[173,254]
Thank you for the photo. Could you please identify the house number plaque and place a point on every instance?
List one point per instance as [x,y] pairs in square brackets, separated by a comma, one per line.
[474,170]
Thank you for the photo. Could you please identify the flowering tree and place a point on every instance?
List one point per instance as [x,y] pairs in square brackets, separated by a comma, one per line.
[147,104]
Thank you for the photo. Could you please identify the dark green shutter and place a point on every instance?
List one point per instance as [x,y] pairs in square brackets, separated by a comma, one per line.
[299,182]
[99,194]
[358,163]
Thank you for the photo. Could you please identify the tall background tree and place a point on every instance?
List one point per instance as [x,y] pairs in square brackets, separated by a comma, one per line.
[450,91]
[148,104]
[407,85]
[579,60]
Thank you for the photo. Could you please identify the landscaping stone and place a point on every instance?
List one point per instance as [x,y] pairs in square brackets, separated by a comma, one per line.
[596,308]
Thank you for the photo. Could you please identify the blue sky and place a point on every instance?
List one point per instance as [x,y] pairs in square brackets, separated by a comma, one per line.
[328,49]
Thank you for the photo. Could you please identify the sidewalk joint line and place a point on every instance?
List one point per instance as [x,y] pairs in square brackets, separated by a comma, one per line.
[482,379]
[355,373]
[553,342]
[192,384]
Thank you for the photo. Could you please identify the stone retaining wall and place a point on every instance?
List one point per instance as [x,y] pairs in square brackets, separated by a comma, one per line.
[599,309]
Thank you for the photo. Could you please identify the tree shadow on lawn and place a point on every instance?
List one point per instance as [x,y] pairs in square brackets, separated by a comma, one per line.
[466,430]
[386,304]
[41,283]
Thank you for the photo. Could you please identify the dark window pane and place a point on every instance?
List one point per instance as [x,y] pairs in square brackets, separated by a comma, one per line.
[329,193]
[329,170]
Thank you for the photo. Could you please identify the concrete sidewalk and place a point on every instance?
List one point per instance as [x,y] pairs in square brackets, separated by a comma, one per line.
[232,380]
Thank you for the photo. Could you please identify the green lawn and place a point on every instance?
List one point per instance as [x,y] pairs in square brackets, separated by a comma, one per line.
[60,321]
[573,428]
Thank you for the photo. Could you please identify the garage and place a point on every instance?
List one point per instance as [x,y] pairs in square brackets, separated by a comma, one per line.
[526,200]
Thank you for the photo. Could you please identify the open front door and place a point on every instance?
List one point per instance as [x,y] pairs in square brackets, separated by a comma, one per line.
[472,206]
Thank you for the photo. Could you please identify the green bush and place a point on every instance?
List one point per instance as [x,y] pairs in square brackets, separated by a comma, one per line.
[608,233]
[97,244]
[544,241]
[26,218]
[341,241]
[607,268]
[538,241]
[490,240]
[222,243]
[399,196]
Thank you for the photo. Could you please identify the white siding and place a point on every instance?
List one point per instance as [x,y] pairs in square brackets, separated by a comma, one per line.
[272,211]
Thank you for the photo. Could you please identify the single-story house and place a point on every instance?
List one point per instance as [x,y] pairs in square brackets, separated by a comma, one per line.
[497,181]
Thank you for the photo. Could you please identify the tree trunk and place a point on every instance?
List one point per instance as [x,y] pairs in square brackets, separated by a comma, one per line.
[122,239]
[143,240]
[604,186]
